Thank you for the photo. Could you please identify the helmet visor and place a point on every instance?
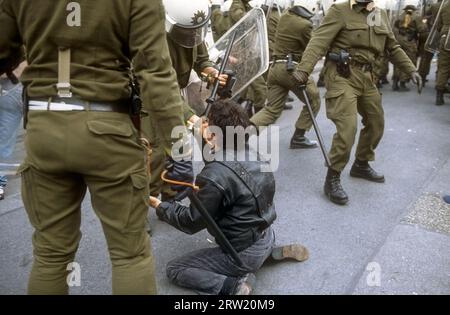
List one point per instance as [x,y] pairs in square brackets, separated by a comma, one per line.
[188,37]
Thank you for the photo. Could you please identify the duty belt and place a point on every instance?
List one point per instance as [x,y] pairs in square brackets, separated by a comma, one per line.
[362,66]
[284,61]
[73,104]
[295,58]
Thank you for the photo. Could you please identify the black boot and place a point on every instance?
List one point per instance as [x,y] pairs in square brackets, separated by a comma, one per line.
[299,141]
[439,97]
[395,85]
[403,87]
[362,169]
[333,188]
[384,80]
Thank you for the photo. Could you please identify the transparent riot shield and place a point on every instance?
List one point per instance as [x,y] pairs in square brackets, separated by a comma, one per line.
[433,40]
[249,56]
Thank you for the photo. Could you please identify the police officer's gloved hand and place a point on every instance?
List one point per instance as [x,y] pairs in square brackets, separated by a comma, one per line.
[417,79]
[301,77]
[180,171]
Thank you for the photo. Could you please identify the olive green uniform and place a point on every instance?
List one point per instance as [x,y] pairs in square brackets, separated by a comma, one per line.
[292,37]
[345,27]
[69,152]
[220,22]
[257,90]
[183,61]
[443,73]
[427,56]
[272,25]
[408,36]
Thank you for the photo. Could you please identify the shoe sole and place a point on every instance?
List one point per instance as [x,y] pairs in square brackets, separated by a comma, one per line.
[337,201]
[381,181]
[294,251]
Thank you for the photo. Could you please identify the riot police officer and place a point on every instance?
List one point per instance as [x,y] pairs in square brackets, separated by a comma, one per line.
[352,44]
[186,28]
[293,34]
[407,29]
[79,131]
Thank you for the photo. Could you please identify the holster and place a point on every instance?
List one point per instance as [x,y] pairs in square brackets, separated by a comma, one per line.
[135,111]
[343,69]
[342,61]
[290,63]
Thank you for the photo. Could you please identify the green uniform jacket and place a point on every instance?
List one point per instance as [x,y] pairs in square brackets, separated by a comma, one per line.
[220,23]
[444,19]
[346,27]
[293,35]
[238,9]
[412,32]
[272,26]
[124,30]
[184,60]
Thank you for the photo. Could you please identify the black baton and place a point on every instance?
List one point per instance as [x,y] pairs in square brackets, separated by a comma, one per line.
[221,238]
[316,126]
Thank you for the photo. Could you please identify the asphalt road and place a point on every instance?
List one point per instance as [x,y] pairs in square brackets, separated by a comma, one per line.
[392,238]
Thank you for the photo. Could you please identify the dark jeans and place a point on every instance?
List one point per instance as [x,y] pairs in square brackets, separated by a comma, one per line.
[207,270]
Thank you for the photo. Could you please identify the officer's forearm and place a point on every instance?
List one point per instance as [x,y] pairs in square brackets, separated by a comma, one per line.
[400,59]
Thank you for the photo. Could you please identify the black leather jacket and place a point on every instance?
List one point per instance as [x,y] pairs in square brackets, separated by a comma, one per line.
[242,206]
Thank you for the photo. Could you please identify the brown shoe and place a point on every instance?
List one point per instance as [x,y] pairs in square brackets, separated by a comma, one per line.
[293,251]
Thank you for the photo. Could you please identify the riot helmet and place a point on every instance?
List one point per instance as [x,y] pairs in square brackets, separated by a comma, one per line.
[187,22]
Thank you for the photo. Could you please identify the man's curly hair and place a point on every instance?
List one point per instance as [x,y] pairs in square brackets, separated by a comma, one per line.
[227,113]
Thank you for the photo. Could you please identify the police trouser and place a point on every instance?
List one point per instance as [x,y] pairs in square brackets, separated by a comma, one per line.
[68,153]
[345,98]
[443,73]
[425,63]
[280,82]
[410,48]
[256,92]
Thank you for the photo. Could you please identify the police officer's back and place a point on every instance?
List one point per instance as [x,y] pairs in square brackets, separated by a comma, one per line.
[79,133]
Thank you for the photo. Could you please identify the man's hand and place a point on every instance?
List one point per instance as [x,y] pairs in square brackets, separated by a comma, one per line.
[154,202]
[417,79]
[212,74]
[301,77]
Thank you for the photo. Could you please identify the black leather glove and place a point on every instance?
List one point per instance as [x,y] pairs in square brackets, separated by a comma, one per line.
[181,171]
[301,77]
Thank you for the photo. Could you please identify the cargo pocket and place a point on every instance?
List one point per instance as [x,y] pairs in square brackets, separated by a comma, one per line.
[29,195]
[332,103]
[110,127]
[138,201]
